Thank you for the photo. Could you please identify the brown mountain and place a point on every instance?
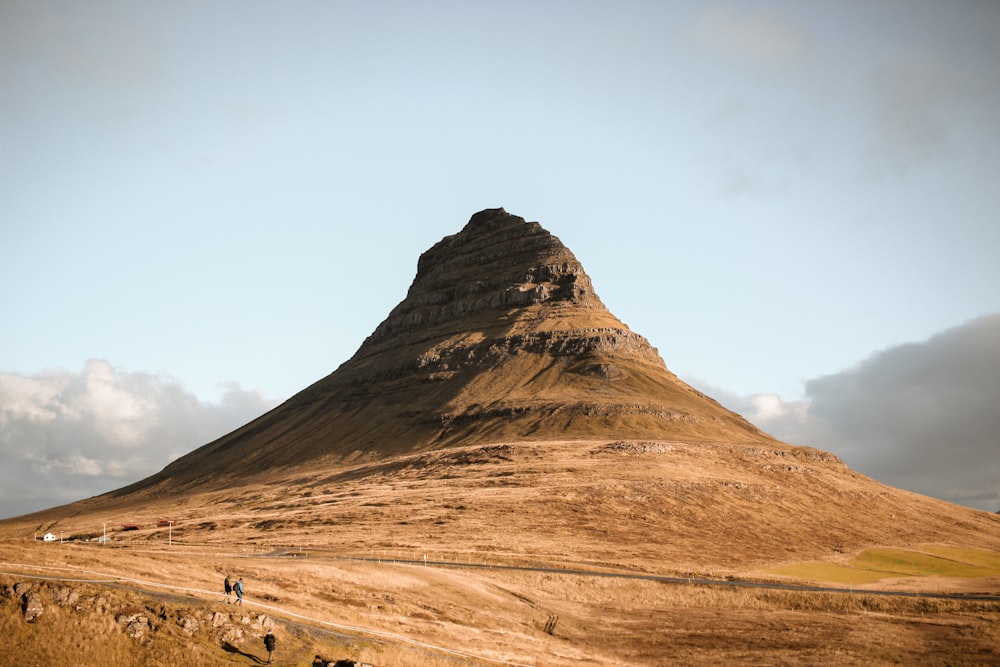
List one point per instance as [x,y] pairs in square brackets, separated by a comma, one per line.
[501,336]
[502,377]
[502,360]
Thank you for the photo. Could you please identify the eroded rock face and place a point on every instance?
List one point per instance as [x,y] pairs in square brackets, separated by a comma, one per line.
[500,288]
[497,262]
[138,618]
[512,283]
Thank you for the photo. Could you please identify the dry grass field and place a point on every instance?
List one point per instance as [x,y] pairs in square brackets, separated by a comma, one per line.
[334,558]
[395,614]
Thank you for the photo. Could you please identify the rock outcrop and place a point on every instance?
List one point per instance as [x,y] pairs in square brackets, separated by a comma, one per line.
[501,336]
[137,617]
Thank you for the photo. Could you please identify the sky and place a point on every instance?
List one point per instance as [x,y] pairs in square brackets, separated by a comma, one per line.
[206,206]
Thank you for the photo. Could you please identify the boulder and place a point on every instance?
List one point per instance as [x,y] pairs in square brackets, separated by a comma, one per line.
[31,606]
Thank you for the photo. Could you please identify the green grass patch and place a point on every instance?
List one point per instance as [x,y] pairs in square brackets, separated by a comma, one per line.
[916,564]
[987,559]
[873,565]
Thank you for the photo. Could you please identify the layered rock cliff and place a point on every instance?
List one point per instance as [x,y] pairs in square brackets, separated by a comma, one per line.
[501,336]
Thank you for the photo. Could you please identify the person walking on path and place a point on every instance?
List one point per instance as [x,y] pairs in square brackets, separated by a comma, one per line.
[238,589]
[269,645]
[229,589]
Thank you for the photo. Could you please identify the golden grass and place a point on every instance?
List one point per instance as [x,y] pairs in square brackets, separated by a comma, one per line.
[652,506]
[87,632]
[491,613]
[691,509]
[819,571]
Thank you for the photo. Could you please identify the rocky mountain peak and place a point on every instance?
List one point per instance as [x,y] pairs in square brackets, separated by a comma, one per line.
[498,262]
[500,336]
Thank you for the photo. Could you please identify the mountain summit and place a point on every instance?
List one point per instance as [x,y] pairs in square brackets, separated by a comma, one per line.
[501,336]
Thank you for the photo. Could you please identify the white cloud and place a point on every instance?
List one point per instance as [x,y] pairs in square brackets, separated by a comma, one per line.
[78,465]
[768,407]
[66,436]
[920,416]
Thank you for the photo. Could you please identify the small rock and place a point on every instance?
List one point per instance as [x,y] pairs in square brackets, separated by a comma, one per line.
[189,624]
[136,625]
[66,596]
[233,635]
[136,629]
[31,605]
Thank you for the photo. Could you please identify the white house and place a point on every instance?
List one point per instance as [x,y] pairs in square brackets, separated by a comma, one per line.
[49,537]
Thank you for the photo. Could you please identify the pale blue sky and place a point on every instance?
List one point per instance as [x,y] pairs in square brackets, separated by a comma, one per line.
[226,194]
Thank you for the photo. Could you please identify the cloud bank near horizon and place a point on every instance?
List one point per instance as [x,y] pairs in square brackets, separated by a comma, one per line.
[920,416]
[65,436]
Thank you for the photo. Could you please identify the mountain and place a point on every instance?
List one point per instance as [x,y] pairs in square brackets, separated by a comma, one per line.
[501,336]
[496,469]
[501,408]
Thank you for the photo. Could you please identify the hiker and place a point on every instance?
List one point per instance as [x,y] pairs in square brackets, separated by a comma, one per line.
[238,589]
[229,589]
[269,645]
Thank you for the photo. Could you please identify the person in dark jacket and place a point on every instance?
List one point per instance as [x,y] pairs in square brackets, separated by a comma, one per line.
[238,589]
[228,585]
[269,645]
